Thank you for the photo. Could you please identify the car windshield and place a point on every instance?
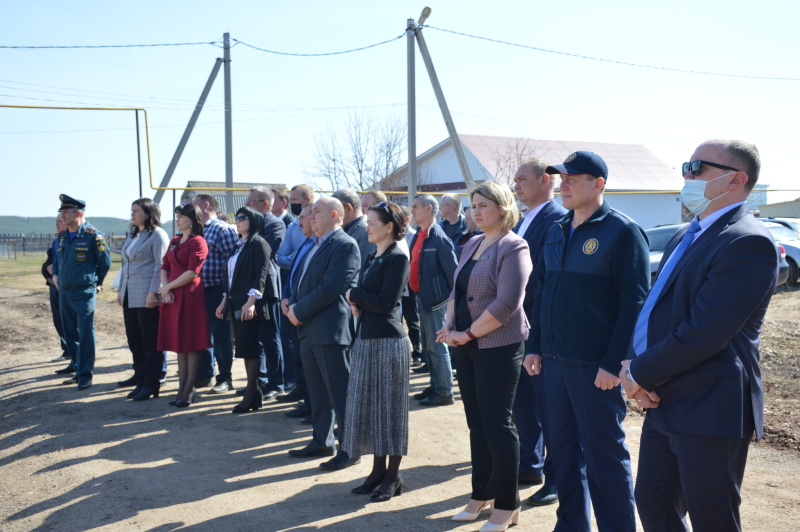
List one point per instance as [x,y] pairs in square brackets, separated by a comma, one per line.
[781,233]
[659,237]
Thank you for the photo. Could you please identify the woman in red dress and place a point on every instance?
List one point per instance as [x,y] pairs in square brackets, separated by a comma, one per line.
[183,325]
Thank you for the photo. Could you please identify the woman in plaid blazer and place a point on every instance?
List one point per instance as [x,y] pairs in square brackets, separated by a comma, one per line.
[139,281]
[486,324]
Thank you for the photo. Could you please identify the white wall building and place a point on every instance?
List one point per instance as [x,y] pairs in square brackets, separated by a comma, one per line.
[639,184]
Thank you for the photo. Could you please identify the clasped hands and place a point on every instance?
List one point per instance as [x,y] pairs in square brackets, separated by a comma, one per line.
[642,397]
[446,335]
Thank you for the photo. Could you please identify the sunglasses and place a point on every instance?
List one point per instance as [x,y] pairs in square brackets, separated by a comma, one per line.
[240,218]
[696,167]
[383,205]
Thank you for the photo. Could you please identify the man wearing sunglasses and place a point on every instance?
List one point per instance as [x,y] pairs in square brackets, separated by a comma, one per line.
[694,357]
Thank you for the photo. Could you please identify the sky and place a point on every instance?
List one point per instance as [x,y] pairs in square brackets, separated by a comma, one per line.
[282,103]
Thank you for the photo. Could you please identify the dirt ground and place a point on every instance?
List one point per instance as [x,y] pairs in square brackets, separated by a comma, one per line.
[91,460]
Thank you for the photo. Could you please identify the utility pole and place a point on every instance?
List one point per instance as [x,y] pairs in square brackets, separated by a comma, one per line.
[448,120]
[228,126]
[412,114]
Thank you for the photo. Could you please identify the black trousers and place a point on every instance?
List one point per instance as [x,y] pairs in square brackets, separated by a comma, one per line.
[55,310]
[411,315]
[141,328]
[488,382]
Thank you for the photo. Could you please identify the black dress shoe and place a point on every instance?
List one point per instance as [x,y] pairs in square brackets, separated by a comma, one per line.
[65,371]
[73,380]
[437,400]
[530,480]
[133,393]
[367,487]
[422,369]
[133,381]
[145,394]
[394,489]
[311,450]
[416,362]
[291,397]
[271,391]
[547,494]
[298,412]
[84,384]
[424,394]
[340,461]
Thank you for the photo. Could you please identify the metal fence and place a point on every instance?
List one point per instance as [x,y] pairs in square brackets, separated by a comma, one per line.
[12,246]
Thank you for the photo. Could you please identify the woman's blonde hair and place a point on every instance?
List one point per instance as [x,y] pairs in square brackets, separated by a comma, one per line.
[502,196]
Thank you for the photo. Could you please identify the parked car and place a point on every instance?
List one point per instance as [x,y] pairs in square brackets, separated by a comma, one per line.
[790,240]
[660,236]
[791,223]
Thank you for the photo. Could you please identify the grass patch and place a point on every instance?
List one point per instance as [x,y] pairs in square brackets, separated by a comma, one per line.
[25,273]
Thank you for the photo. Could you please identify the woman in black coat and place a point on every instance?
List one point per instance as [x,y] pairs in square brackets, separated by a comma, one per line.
[244,301]
[376,417]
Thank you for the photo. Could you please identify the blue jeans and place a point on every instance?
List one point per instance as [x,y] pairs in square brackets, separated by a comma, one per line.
[222,351]
[436,354]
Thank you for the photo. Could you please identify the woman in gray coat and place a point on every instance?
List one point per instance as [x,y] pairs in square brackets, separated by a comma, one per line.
[142,255]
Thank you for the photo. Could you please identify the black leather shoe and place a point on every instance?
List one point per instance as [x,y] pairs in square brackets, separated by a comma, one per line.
[270,391]
[84,384]
[73,380]
[416,362]
[340,461]
[146,393]
[367,487]
[395,489]
[422,369]
[298,412]
[133,381]
[530,480]
[437,400]
[133,393]
[424,394]
[546,495]
[291,397]
[311,450]
[65,371]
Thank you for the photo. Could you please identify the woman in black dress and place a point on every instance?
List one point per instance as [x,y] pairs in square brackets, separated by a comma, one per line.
[244,301]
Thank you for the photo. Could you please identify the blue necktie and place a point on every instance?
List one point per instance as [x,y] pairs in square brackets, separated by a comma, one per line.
[640,332]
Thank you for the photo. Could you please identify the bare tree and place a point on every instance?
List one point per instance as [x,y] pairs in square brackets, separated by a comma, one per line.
[359,153]
[509,157]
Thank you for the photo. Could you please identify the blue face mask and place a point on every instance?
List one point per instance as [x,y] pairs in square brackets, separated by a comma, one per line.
[693,194]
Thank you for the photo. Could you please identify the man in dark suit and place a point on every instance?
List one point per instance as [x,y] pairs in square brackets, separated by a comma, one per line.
[694,360]
[354,222]
[280,202]
[317,306]
[270,376]
[534,188]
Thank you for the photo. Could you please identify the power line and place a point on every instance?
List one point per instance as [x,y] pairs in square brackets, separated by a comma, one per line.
[108,46]
[319,54]
[614,61]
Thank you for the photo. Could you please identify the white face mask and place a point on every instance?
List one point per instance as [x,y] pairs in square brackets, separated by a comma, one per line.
[693,194]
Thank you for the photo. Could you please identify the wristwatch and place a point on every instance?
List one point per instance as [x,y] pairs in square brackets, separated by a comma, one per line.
[629,376]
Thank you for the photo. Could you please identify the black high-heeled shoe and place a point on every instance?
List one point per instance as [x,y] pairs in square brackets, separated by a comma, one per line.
[181,404]
[146,393]
[395,489]
[255,403]
[133,393]
[367,487]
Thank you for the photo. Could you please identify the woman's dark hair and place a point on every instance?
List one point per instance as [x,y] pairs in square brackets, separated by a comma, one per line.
[192,211]
[256,221]
[390,212]
[153,213]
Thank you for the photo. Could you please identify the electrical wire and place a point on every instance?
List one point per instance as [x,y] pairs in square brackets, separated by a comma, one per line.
[614,61]
[107,46]
[237,41]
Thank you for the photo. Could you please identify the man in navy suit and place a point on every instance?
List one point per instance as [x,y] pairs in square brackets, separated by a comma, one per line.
[534,188]
[694,360]
[317,306]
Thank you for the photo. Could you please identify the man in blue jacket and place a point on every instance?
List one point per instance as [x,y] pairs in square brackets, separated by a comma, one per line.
[593,275]
[694,357]
[432,266]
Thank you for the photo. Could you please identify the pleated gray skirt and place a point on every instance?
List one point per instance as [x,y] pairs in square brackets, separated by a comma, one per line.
[376,415]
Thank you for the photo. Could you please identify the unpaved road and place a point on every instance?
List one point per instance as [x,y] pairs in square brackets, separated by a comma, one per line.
[91,460]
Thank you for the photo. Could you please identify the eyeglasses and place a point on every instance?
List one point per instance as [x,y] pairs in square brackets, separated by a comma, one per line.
[696,167]
[383,205]
[240,218]
[248,200]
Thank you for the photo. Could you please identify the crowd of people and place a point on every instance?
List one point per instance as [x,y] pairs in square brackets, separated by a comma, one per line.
[542,318]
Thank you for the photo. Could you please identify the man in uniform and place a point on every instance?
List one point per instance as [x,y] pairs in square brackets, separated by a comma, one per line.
[593,275]
[82,262]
